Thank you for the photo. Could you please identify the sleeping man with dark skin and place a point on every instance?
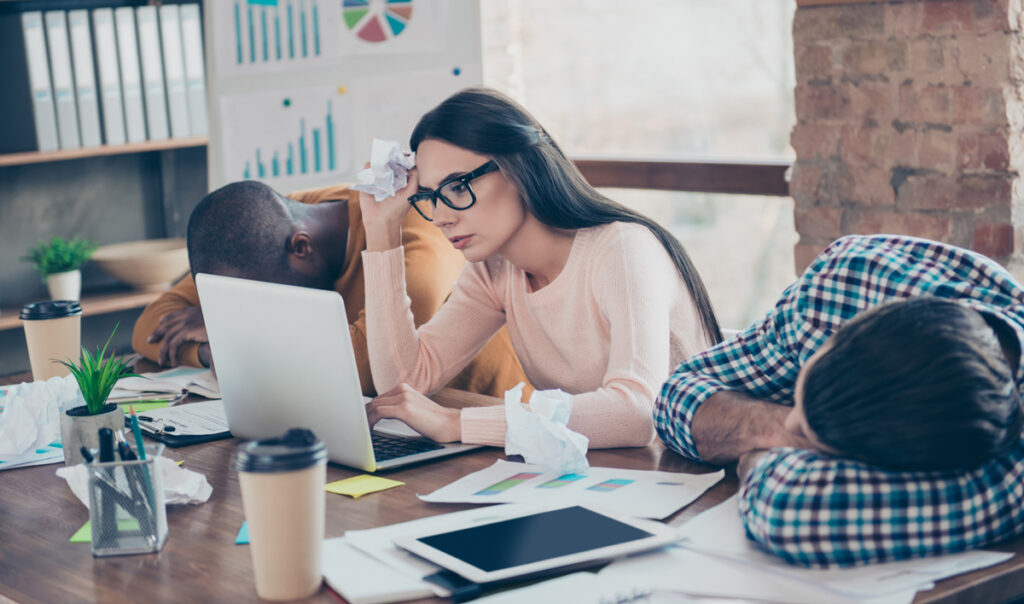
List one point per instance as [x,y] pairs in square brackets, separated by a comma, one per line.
[309,239]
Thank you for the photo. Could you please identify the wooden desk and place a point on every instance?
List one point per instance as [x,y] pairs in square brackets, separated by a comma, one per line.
[201,563]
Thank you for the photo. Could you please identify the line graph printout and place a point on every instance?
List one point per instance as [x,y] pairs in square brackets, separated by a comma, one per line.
[286,140]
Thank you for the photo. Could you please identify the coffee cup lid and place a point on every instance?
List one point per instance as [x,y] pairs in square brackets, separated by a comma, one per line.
[296,449]
[50,309]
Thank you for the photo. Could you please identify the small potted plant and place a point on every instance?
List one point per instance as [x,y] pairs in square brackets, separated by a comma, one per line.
[58,261]
[96,376]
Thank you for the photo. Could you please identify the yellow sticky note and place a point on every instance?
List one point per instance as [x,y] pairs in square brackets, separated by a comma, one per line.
[357,486]
[180,462]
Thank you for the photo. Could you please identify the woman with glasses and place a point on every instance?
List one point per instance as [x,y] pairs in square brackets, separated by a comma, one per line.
[599,300]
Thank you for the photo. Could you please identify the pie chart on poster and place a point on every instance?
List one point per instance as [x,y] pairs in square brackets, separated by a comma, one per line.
[377,20]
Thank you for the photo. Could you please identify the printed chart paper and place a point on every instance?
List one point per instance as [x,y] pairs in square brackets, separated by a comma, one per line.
[639,493]
[298,138]
[281,35]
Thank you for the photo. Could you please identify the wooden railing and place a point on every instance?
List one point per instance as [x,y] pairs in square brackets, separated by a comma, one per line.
[702,176]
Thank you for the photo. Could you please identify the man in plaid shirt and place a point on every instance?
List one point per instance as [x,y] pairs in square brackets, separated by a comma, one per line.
[905,439]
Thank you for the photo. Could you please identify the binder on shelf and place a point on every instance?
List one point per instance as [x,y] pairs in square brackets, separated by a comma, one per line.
[85,78]
[39,81]
[152,72]
[131,79]
[17,128]
[174,69]
[110,78]
[63,82]
[195,75]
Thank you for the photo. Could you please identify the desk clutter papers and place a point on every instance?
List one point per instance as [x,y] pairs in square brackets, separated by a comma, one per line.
[582,587]
[719,532]
[363,580]
[186,424]
[716,558]
[367,567]
[30,421]
[638,493]
[192,380]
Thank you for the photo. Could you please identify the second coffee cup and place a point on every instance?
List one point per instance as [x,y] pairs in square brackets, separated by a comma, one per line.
[282,482]
[53,332]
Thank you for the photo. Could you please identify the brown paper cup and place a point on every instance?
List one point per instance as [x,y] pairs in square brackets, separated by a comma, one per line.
[53,333]
[285,511]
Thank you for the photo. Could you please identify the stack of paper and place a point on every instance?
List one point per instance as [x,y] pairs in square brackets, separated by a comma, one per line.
[367,567]
[171,382]
[716,559]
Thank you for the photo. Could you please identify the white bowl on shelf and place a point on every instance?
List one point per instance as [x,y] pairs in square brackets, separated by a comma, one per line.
[146,265]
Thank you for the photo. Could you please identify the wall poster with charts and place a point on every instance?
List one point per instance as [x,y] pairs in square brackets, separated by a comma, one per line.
[299,88]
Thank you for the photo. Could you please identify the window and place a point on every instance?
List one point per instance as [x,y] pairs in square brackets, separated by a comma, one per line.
[667,78]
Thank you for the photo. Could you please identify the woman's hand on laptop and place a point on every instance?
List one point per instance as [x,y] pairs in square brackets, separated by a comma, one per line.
[437,423]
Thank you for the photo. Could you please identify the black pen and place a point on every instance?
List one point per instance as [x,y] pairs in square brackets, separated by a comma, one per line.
[108,509]
[106,436]
[133,474]
[87,454]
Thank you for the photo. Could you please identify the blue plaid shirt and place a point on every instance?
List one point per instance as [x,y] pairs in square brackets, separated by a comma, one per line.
[816,510]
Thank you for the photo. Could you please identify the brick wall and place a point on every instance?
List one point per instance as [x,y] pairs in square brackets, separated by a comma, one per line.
[909,120]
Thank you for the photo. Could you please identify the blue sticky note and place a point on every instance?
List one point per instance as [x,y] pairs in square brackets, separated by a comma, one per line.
[243,535]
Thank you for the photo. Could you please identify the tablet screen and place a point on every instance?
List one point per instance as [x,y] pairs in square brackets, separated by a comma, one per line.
[533,538]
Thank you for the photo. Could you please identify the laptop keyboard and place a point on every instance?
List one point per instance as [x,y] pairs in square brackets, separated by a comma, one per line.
[386,446]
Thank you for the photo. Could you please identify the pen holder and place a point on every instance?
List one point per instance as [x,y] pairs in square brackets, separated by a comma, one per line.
[126,506]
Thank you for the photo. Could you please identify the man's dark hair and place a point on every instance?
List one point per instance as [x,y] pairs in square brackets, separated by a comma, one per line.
[241,228]
[919,384]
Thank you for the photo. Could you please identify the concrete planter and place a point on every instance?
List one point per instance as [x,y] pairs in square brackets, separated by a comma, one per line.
[79,429]
[65,286]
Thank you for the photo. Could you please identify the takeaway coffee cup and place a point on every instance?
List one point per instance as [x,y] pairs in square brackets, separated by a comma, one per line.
[53,332]
[282,481]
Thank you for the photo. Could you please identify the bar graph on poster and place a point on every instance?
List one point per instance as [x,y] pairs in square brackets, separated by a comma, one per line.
[300,88]
[290,136]
[273,35]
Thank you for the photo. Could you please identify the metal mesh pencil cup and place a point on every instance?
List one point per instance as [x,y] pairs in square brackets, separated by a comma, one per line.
[126,506]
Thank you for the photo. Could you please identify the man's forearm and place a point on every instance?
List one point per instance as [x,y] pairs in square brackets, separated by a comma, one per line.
[729,424]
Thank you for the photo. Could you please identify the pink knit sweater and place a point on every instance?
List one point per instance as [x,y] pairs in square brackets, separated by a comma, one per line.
[608,330]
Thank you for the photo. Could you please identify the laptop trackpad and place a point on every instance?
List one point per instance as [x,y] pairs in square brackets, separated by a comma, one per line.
[396,427]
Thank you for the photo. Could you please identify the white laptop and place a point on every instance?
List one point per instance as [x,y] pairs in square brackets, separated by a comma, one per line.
[284,360]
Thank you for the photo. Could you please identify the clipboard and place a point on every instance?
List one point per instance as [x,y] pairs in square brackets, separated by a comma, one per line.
[186,424]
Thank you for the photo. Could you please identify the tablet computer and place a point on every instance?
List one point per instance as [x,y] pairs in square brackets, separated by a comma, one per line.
[537,542]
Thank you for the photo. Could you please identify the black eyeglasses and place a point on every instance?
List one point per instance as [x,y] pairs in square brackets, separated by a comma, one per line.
[454,193]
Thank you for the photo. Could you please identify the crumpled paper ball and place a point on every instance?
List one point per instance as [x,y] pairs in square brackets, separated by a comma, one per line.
[31,414]
[180,485]
[541,434]
[388,172]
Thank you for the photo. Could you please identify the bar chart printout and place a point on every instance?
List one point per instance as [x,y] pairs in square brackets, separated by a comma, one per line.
[508,483]
[269,31]
[297,137]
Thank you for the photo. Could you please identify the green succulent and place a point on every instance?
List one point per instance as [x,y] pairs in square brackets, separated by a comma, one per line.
[59,255]
[97,374]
